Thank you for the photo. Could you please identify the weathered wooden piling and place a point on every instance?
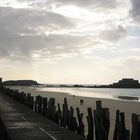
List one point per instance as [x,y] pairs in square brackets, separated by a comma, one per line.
[59,115]
[39,104]
[106,121]
[123,128]
[28,99]
[72,123]
[100,124]
[23,98]
[120,132]
[45,103]
[135,135]
[90,135]
[51,109]
[65,113]
[117,125]
[32,102]
[81,126]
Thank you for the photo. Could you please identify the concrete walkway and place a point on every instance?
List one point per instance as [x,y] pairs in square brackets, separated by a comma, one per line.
[24,124]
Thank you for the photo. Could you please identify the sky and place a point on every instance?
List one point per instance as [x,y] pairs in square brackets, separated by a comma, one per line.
[70,41]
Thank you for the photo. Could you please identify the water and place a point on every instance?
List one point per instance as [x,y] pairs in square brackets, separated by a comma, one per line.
[109,93]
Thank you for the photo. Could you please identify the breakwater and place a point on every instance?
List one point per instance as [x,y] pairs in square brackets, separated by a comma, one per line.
[98,120]
[19,122]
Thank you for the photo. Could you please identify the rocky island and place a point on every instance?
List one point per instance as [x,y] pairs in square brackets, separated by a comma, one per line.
[20,83]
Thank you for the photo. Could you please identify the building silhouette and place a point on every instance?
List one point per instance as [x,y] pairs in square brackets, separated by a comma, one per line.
[126,83]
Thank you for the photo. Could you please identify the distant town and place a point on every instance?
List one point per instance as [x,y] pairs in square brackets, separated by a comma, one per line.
[124,83]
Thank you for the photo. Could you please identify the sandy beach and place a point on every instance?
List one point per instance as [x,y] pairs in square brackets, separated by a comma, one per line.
[124,106]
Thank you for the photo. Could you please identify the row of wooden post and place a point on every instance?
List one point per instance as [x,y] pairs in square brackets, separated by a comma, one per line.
[98,120]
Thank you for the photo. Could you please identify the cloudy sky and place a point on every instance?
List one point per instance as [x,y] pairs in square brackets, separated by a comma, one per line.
[70,41]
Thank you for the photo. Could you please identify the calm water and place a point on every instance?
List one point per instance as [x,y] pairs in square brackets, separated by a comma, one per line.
[108,93]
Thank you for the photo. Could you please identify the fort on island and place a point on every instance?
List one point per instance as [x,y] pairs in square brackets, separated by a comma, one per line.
[126,83]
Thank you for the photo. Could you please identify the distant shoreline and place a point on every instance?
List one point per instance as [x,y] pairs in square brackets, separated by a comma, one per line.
[124,83]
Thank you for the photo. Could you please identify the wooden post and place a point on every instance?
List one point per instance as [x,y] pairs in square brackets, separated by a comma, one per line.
[125,132]
[65,113]
[121,133]
[39,104]
[45,103]
[106,120]
[59,114]
[100,131]
[135,135]
[35,104]
[28,97]
[90,135]
[81,127]
[70,124]
[117,125]
[32,103]
[51,109]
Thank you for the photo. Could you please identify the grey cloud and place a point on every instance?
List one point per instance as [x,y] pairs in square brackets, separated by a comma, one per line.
[92,3]
[19,30]
[26,20]
[58,44]
[15,46]
[135,10]
[82,3]
[20,37]
[113,34]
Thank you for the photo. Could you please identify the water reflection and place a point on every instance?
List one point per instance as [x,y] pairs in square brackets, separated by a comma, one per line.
[109,93]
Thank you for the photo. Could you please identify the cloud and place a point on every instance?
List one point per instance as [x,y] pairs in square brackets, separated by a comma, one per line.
[87,4]
[15,19]
[91,3]
[135,10]
[33,33]
[23,31]
[113,34]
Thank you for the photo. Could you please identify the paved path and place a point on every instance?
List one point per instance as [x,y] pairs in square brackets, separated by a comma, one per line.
[24,124]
